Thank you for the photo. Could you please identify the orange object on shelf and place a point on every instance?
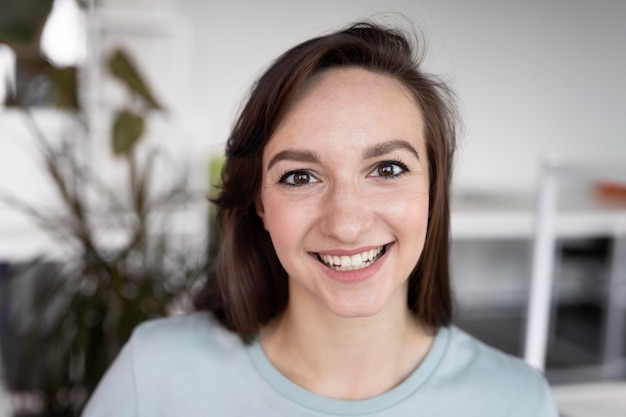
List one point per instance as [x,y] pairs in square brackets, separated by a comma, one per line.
[610,190]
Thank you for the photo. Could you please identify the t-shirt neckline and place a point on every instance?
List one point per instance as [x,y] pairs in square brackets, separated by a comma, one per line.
[319,403]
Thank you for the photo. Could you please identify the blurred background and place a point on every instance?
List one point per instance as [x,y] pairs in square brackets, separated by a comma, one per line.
[116,112]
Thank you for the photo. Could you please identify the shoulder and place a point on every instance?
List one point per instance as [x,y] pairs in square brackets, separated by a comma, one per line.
[493,378]
[198,327]
[183,346]
[182,356]
[192,336]
[480,357]
[169,366]
[492,367]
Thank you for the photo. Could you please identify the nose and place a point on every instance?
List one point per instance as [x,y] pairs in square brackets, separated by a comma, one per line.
[347,212]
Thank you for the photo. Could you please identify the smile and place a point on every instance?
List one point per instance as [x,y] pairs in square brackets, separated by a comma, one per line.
[354,262]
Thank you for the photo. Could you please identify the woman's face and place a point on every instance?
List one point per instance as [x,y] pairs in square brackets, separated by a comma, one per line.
[345,193]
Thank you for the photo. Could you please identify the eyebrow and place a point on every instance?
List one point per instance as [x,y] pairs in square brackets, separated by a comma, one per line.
[370,152]
[388,147]
[293,155]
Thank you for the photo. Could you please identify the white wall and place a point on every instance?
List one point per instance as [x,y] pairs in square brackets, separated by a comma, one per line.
[533,76]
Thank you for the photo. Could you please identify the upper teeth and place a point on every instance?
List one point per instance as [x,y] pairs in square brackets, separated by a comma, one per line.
[343,263]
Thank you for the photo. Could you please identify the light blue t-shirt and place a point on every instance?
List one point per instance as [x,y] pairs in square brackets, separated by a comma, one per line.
[190,366]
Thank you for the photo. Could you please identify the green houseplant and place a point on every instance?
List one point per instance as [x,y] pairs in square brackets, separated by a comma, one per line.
[82,311]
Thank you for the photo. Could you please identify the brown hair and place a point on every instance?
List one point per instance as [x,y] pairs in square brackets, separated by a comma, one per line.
[247,286]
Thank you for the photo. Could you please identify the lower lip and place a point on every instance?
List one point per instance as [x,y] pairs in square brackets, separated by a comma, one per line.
[357,275]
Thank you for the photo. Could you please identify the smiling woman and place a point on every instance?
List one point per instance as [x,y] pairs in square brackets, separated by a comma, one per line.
[330,294]
[362,186]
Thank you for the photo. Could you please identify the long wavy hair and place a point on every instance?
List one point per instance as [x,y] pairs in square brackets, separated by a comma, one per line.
[247,286]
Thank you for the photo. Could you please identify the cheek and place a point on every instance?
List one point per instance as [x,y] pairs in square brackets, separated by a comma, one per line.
[409,210]
[408,219]
[283,221]
[414,220]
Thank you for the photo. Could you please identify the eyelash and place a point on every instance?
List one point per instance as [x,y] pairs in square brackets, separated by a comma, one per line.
[287,174]
[404,169]
[283,178]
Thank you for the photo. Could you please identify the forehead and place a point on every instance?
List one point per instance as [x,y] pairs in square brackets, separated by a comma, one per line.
[350,105]
[353,81]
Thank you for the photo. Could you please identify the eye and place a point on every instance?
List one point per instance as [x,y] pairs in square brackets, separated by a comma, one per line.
[297,178]
[389,169]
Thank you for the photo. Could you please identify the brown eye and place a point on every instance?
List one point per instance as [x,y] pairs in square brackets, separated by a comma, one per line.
[301,178]
[298,178]
[386,170]
[389,169]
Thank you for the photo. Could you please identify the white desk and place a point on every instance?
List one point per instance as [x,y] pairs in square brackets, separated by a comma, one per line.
[606,399]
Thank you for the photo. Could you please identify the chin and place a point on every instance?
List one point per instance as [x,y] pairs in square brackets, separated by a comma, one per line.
[352,309]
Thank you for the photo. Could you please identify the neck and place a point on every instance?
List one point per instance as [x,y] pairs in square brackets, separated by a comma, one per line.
[346,358]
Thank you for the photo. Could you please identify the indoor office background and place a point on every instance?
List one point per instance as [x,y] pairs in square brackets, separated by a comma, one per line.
[541,161]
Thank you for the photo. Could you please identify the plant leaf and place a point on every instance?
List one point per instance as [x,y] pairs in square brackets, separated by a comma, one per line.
[21,22]
[216,163]
[39,83]
[125,70]
[127,129]
[66,87]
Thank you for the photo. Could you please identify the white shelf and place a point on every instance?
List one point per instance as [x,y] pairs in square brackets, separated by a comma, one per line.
[494,215]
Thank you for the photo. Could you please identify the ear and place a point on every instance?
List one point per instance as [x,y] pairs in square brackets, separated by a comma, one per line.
[260,210]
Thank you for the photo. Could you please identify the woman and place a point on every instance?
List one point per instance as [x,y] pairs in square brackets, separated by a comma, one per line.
[330,294]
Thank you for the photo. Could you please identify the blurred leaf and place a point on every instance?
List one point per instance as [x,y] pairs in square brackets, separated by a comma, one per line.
[125,70]
[38,83]
[127,129]
[216,163]
[66,86]
[21,23]
[33,86]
